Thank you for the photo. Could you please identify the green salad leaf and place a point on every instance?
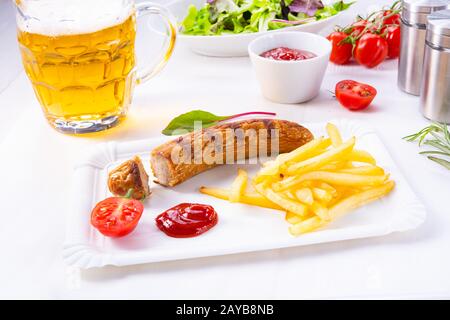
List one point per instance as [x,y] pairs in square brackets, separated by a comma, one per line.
[332,10]
[198,21]
[341,5]
[244,16]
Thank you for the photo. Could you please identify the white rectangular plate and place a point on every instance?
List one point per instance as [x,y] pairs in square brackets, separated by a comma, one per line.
[241,228]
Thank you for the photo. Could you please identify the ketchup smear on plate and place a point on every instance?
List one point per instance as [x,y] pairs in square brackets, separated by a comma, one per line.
[187,220]
[287,54]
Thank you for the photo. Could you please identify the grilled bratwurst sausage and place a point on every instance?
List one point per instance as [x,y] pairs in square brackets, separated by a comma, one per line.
[182,158]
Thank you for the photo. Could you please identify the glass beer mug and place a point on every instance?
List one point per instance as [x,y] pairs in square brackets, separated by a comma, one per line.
[80,58]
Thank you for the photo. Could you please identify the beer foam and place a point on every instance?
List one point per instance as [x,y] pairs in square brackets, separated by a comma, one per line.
[67,17]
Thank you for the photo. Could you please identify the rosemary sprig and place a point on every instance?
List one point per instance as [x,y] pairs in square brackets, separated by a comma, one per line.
[442,162]
[437,136]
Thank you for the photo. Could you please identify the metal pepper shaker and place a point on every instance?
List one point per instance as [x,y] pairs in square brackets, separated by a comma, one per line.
[435,91]
[413,31]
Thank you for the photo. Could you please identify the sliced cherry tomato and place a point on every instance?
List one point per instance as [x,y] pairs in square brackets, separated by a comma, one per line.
[393,40]
[391,18]
[116,216]
[341,53]
[354,95]
[371,50]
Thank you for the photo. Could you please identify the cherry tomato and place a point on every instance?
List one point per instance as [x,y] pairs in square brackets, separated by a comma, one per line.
[393,40]
[371,50]
[341,53]
[359,26]
[354,95]
[116,216]
[390,18]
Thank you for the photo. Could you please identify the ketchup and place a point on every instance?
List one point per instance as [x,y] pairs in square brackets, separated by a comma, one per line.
[287,54]
[187,220]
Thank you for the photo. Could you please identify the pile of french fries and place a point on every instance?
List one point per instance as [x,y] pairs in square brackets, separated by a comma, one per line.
[314,184]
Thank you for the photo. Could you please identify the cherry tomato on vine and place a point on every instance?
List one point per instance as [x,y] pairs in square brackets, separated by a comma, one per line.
[393,40]
[354,95]
[116,216]
[359,26]
[371,50]
[389,17]
[341,53]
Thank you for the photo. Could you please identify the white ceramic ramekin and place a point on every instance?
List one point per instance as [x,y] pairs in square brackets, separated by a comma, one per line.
[290,81]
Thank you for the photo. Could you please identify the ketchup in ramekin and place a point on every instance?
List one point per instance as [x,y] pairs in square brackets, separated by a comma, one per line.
[287,54]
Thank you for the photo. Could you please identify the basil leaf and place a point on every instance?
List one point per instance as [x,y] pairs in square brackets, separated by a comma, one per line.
[186,121]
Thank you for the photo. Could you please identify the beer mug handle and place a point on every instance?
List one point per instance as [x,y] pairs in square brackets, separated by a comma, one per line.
[149,8]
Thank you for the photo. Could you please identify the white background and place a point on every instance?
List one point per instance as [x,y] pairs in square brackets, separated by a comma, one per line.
[35,174]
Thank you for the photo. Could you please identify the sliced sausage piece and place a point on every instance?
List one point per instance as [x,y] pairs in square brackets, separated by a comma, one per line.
[182,158]
[129,175]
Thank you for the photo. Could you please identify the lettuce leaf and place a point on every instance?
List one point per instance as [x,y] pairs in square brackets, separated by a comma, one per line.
[308,7]
[332,10]
[341,6]
[197,22]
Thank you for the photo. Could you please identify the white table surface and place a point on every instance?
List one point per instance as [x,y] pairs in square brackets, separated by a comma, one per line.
[35,174]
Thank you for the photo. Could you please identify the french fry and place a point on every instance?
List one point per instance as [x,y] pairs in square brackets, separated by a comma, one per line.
[215,192]
[334,134]
[327,187]
[238,186]
[288,183]
[322,195]
[292,218]
[287,204]
[282,158]
[247,198]
[306,150]
[305,196]
[266,179]
[360,199]
[321,211]
[328,156]
[366,170]
[361,156]
[347,191]
[269,163]
[305,226]
[335,166]
[343,179]
[290,195]
[313,147]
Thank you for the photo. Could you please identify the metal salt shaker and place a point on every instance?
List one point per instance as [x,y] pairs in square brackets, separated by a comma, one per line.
[413,31]
[435,91]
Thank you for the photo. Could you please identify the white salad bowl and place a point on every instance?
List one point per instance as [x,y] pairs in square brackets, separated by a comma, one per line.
[290,81]
[232,45]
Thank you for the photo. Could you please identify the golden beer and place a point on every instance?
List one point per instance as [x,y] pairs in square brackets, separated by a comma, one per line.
[82,77]
[80,58]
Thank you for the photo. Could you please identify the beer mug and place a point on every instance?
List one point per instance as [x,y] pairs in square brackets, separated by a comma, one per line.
[80,58]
